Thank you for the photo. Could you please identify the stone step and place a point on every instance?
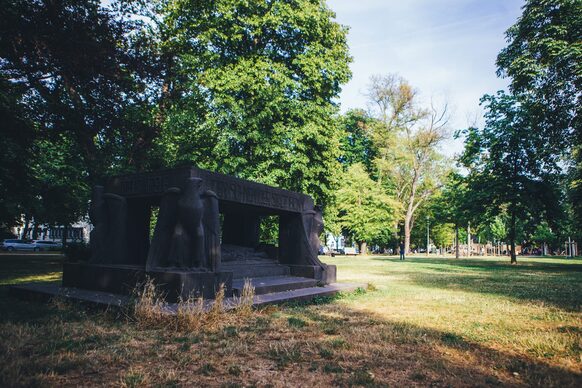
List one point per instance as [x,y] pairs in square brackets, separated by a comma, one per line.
[241,270]
[45,291]
[306,294]
[265,285]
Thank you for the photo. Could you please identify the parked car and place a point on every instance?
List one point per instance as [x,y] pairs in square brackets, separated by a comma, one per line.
[18,245]
[351,251]
[44,245]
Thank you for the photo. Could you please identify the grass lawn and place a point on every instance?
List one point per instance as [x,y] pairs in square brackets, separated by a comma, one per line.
[430,322]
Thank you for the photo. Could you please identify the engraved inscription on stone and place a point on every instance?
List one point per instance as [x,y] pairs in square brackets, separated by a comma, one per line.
[227,188]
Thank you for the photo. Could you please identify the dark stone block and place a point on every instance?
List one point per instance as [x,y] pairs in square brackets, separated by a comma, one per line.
[123,279]
[185,254]
[325,274]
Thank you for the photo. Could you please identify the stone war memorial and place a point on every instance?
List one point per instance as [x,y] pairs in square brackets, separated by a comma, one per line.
[207,233]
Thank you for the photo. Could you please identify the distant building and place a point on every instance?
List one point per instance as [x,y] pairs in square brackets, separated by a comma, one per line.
[78,232]
[335,242]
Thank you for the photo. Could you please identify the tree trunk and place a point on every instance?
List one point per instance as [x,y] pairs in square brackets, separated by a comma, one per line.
[407,228]
[456,241]
[35,231]
[512,237]
[469,239]
[363,248]
[26,227]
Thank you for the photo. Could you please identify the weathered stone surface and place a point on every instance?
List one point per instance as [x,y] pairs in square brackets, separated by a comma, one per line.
[227,188]
[186,242]
[211,224]
[187,248]
[123,279]
[164,230]
[98,217]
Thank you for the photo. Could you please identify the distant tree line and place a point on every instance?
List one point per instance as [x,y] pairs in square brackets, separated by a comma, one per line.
[521,175]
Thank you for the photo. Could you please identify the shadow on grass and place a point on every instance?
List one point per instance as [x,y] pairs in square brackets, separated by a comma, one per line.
[33,267]
[552,283]
[334,345]
[473,364]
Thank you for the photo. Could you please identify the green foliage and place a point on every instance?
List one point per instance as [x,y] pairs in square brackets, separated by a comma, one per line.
[356,144]
[543,234]
[443,234]
[257,82]
[365,209]
[543,60]
[75,97]
[509,172]
[498,229]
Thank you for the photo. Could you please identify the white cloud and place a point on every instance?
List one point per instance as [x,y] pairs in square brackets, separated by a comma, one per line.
[442,47]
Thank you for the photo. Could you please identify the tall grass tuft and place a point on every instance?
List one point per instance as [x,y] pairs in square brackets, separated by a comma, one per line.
[189,314]
[247,298]
[149,304]
[151,310]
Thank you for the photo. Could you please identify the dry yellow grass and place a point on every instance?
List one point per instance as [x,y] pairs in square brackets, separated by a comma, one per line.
[431,322]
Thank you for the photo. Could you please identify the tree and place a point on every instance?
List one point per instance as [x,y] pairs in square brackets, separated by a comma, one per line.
[77,75]
[508,171]
[543,60]
[443,234]
[356,145]
[543,235]
[76,89]
[365,211]
[453,204]
[253,89]
[15,142]
[408,161]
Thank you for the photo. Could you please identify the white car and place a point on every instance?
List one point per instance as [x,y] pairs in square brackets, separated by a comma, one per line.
[45,245]
[18,245]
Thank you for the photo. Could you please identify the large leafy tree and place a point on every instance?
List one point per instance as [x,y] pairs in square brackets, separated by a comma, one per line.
[253,86]
[543,60]
[16,139]
[366,212]
[454,205]
[77,75]
[77,94]
[407,141]
[508,171]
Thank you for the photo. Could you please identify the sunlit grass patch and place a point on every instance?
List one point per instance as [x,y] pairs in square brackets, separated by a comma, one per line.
[428,322]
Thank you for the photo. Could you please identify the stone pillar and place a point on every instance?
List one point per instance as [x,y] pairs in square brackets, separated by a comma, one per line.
[115,249]
[211,223]
[290,239]
[138,231]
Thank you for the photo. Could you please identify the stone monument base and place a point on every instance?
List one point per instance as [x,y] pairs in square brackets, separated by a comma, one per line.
[325,275]
[123,279]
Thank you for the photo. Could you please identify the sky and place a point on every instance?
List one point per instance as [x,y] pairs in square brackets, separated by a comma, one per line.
[446,49]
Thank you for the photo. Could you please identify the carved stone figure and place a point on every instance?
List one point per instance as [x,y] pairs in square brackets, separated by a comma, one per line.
[211,223]
[316,230]
[187,250]
[162,238]
[98,216]
[312,228]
